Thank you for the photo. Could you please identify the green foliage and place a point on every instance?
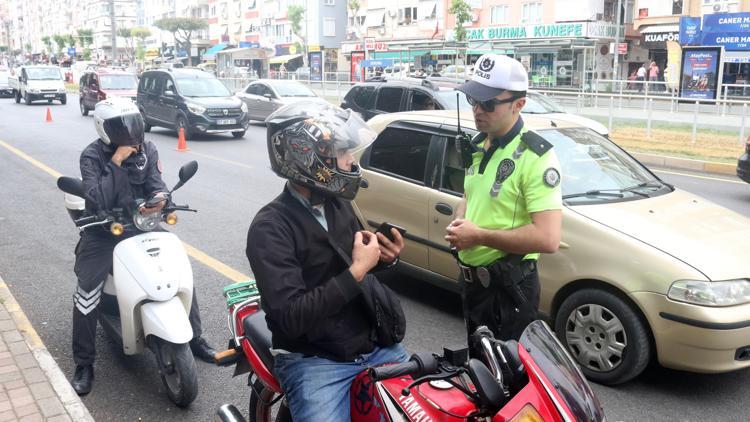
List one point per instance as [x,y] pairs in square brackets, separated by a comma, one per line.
[3,48]
[462,11]
[47,43]
[140,33]
[295,13]
[27,47]
[85,36]
[182,30]
[124,32]
[86,54]
[60,40]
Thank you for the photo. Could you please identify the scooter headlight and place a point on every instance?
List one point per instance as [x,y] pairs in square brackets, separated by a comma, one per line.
[116,229]
[171,219]
[148,222]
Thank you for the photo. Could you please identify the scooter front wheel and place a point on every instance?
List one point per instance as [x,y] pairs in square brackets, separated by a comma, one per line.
[178,371]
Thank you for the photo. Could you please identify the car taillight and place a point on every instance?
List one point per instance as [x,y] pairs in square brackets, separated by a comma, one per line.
[747,144]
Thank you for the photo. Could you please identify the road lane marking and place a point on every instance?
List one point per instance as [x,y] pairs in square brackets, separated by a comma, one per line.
[198,255]
[698,177]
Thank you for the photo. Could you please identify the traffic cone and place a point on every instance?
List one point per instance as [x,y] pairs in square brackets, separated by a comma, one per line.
[181,143]
[49,116]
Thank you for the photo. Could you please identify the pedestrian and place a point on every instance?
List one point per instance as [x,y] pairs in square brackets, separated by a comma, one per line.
[653,76]
[641,76]
[282,71]
[116,169]
[313,263]
[511,209]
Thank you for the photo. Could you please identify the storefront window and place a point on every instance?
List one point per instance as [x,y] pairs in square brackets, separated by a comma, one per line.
[542,70]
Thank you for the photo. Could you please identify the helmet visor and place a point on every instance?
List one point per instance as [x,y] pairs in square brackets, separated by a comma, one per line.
[125,130]
[334,129]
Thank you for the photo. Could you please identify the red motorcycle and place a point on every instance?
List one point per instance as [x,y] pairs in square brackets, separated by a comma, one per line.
[531,380]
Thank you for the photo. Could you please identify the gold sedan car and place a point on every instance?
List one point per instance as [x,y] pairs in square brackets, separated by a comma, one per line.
[644,270]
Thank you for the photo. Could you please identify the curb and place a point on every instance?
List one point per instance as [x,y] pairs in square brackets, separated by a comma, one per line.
[70,400]
[685,163]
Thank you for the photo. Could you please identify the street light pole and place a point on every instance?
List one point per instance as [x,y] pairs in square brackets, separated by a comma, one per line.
[114,30]
[307,36]
[616,70]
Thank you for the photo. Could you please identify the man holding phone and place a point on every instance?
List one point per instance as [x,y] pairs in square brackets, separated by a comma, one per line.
[511,209]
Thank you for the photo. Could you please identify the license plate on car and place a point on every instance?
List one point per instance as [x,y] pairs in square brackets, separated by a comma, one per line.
[49,95]
[226,122]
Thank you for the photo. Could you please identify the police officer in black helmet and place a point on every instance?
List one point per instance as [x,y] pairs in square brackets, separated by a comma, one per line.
[116,169]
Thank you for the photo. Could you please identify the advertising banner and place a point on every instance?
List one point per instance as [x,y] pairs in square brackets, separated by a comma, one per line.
[701,70]
[690,30]
[316,66]
[357,71]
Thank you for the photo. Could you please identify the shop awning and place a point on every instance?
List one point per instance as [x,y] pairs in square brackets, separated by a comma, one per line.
[443,52]
[283,59]
[659,29]
[399,55]
[375,18]
[210,54]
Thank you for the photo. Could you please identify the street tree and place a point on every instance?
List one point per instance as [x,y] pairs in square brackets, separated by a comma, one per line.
[295,13]
[47,41]
[182,30]
[140,34]
[127,35]
[354,6]
[462,11]
[85,37]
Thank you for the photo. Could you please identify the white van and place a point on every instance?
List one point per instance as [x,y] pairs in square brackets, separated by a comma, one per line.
[35,83]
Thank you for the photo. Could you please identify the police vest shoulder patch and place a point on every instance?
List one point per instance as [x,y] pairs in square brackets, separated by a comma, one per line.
[536,143]
[551,177]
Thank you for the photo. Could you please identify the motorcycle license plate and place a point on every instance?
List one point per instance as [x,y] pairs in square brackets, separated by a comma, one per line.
[226,122]
[49,95]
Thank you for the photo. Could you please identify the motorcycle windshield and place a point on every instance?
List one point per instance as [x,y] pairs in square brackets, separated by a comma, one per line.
[563,374]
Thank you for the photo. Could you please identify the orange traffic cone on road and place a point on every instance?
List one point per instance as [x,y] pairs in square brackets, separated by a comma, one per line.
[181,143]
[48,119]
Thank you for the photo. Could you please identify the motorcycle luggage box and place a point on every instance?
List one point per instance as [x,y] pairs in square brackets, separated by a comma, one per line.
[75,206]
[259,336]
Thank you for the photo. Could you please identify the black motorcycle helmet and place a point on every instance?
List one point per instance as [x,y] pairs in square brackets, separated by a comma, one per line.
[305,140]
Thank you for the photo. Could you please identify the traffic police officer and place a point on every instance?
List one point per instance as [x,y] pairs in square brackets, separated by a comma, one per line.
[511,209]
[116,169]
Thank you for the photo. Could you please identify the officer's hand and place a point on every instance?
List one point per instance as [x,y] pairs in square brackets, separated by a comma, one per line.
[462,234]
[389,251]
[156,208]
[122,153]
[365,254]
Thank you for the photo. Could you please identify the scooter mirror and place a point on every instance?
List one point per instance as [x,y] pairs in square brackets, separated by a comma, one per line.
[71,185]
[186,172]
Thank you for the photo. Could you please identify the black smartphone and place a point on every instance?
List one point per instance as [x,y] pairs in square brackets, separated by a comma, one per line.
[386,227]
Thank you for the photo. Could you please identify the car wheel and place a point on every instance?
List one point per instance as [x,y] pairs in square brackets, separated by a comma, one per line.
[605,336]
[239,135]
[18,97]
[84,110]
[27,99]
[63,100]
[182,123]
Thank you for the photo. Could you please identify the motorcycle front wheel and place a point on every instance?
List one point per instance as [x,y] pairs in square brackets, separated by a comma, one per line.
[178,371]
[260,411]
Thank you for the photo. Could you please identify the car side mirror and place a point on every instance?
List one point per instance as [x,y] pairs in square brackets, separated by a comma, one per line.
[268,95]
[169,93]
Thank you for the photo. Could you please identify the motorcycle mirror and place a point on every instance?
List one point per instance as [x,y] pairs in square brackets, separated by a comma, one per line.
[186,172]
[71,185]
[487,387]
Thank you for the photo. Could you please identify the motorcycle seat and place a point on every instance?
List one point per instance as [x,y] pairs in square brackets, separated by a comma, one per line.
[259,336]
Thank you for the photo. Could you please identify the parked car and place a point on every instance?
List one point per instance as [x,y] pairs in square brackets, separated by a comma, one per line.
[397,71]
[265,96]
[377,97]
[100,84]
[644,270]
[457,72]
[190,99]
[33,83]
[5,89]
[743,164]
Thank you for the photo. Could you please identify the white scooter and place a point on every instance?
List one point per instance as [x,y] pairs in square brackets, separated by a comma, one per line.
[147,299]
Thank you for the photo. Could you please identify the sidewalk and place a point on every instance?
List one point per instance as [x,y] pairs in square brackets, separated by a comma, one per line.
[32,386]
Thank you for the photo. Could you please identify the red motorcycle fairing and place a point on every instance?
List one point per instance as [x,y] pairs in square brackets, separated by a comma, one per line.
[257,365]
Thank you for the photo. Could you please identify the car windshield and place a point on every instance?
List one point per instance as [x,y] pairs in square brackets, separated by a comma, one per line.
[448,99]
[595,170]
[538,103]
[118,81]
[201,87]
[293,90]
[3,77]
[43,73]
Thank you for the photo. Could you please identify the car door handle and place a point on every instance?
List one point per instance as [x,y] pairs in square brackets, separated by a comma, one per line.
[444,208]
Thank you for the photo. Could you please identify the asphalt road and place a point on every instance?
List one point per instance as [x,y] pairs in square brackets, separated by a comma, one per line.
[232,183]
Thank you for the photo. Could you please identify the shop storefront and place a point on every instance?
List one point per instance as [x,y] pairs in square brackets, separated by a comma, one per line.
[564,55]
[655,40]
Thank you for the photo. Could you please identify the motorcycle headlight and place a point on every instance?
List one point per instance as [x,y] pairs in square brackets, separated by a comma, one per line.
[243,107]
[195,108]
[146,223]
[711,293]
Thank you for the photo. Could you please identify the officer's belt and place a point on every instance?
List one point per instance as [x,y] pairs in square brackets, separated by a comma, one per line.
[486,274]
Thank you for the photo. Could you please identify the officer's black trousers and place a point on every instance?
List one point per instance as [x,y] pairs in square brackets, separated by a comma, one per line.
[93,264]
[493,307]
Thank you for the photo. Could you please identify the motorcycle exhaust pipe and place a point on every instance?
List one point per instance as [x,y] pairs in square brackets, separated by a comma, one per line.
[228,413]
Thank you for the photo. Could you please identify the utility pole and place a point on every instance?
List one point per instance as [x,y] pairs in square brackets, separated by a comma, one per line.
[616,70]
[307,38]
[114,30]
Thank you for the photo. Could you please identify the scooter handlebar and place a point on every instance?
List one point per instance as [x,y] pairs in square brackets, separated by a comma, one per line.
[417,365]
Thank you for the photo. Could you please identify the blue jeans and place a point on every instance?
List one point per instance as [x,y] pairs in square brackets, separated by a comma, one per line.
[317,389]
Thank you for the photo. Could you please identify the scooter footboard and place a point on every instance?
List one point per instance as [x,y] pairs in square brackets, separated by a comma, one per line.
[167,320]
